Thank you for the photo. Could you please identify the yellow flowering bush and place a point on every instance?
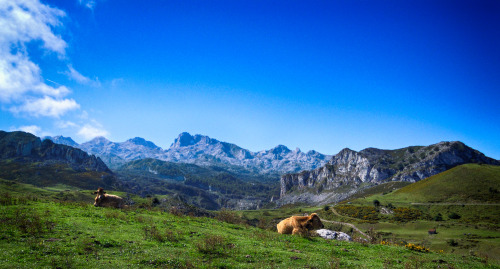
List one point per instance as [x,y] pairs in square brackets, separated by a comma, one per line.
[415,247]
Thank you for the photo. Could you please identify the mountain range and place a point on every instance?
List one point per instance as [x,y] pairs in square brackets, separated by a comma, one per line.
[350,171]
[214,174]
[204,151]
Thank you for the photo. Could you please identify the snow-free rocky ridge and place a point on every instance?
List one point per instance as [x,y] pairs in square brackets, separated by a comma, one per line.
[350,171]
[205,151]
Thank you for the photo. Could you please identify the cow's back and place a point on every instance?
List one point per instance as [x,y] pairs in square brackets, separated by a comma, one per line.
[113,201]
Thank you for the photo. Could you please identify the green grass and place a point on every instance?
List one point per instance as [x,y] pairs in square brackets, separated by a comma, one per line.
[469,183]
[40,231]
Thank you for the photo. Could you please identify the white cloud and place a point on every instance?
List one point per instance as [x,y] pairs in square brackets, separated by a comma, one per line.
[46,106]
[20,77]
[22,21]
[90,4]
[75,75]
[89,131]
[117,82]
[66,124]
[33,129]
[21,84]
[78,77]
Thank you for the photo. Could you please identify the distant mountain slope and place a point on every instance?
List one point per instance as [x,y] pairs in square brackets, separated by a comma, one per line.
[206,187]
[116,154]
[349,171]
[68,141]
[205,151]
[25,158]
[21,145]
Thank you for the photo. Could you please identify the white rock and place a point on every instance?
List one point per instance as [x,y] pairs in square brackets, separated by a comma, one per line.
[329,234]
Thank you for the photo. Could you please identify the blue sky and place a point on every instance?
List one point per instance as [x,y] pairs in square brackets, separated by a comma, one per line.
[320,75]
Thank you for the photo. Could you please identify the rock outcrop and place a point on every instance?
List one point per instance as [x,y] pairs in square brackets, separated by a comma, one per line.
[349,171]
[333,235]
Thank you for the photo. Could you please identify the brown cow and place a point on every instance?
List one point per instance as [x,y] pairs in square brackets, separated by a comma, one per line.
[108,200]
[299,225]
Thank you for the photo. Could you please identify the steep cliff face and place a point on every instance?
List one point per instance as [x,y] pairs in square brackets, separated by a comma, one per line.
[20,145]
[349,170]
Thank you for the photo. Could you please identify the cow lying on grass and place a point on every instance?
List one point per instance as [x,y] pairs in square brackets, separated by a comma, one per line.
[108,200]
[299,225]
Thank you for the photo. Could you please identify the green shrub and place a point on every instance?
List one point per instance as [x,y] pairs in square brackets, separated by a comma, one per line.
[454,215]
[452,242]
[30,222]
[214,245]
[228,216]
[368,213]
[153,233]
[404,214]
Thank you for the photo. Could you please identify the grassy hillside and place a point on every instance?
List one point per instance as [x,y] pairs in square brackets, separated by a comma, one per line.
[468,193]
[469,183]
[464,184]
[41,230]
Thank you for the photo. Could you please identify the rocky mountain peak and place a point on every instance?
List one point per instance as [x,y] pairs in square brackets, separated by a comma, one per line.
[62,140]
[280,149]
[99,140]
[142,142]
[345,151]
[205,151]
[183,140]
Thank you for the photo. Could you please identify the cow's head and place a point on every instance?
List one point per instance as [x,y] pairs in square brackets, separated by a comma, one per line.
[99,196]
[314,222]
